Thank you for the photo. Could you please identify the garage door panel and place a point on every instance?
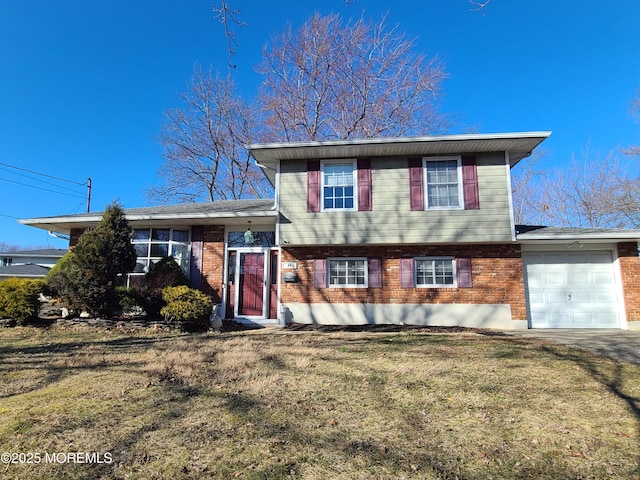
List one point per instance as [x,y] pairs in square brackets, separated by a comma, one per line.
[555,298]
[555,278]
[571,290]
[603,278]
[605,298]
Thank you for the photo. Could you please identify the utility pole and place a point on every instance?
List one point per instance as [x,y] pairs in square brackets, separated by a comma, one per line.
[88,194]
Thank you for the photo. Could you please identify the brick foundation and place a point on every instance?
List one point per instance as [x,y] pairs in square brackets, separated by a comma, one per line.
[496,269]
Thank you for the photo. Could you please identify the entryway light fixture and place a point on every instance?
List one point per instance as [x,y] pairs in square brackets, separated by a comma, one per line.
[248,235]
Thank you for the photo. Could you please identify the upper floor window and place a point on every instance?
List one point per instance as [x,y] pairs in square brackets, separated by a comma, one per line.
[338,186]
[152,244]
[443,183]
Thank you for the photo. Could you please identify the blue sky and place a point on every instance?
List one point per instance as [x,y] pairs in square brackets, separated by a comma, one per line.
[83,84]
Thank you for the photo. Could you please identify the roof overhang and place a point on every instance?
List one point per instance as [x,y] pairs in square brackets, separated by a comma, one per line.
[569,236]
[64,224]
[519,145]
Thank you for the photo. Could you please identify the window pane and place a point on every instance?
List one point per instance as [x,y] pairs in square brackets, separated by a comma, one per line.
[347,272]
[140,234]
[338,191]
[434,272]
[141,265]
[161,234]
[142,249]
[159,249]
[180,236]
[180,253]
[442,183]
[263,239]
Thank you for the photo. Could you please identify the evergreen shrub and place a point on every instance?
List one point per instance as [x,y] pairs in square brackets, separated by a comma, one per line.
[187,307]
[19,299]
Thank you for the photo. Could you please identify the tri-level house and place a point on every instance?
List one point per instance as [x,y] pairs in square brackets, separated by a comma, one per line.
[416,231]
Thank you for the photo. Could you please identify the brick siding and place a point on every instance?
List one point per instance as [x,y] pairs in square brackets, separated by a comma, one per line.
[496,271]
[630,270]
[213,261]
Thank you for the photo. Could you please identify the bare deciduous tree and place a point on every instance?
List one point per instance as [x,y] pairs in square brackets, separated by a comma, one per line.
[227,16]
[204,146]
[591,192]
[479,6]
[524,186]
[335,80]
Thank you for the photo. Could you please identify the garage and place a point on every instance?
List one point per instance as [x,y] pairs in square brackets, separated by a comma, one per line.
[571,289]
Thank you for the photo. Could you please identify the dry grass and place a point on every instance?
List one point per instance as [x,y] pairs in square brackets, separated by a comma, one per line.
[315,406]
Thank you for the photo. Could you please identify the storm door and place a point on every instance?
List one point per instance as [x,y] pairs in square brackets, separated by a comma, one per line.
[251,284]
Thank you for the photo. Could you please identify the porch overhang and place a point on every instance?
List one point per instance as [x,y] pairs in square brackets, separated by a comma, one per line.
[228,212]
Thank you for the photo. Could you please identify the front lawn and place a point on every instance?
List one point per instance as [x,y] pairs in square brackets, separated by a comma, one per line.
[312,405]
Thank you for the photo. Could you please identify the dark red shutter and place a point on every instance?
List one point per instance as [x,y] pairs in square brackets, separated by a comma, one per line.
[470,182]
[375,273]
[320,273]
[195,260]
[313,186]
[463,273]
[406,273]
[416,188]
[364,185]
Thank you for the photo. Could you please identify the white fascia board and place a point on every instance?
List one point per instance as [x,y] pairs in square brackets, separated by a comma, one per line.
[163,216]
[391,140]
[196,216]
[631,236]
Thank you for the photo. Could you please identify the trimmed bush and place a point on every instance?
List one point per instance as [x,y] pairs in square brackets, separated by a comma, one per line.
[19,299]
[187,307]
[128,300]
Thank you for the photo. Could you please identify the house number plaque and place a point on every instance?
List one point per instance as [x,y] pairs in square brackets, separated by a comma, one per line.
[289,265]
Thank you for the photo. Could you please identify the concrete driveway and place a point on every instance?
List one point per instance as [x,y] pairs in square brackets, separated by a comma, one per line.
[616,344]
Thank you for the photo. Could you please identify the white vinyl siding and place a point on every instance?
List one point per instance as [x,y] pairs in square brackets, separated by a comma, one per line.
[391,219]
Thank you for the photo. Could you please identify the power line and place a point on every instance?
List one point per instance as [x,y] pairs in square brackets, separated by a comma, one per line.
[40,188]
[43,174]
[38,180]
[9,216]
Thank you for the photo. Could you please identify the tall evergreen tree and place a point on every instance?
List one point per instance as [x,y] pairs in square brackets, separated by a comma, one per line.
[101,255]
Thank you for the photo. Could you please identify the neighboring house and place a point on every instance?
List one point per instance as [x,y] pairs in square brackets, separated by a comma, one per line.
[403,230]
[29,263]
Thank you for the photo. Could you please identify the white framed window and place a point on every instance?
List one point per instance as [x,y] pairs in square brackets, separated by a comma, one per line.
[152,244]
[347,272]
[338,187]
[443,182]
[435,272]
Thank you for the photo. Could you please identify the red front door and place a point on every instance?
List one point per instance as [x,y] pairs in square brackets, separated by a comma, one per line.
[251,283]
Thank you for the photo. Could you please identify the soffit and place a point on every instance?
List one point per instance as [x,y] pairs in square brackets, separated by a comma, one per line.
[519,146]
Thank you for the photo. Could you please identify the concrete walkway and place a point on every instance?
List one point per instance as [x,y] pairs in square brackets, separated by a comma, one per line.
[616,344]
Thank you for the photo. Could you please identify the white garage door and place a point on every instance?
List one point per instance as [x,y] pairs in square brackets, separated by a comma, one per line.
[571,290]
